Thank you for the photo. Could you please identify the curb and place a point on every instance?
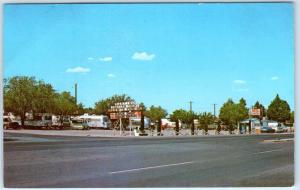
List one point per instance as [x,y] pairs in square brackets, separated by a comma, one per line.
[279,140]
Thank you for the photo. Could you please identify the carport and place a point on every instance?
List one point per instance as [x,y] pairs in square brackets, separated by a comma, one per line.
[249,125]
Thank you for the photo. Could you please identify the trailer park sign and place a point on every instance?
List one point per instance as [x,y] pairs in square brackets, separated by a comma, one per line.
[125,110]
[255,111]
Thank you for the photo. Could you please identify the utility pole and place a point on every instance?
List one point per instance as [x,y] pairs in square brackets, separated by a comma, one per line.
[214,110]
[191,108]
[76,93]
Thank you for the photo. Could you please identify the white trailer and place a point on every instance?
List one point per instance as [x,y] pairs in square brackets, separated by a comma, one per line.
[135,123]
[96,121]
[166,123]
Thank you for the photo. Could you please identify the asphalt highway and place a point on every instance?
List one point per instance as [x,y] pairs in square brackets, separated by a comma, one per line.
[209,161]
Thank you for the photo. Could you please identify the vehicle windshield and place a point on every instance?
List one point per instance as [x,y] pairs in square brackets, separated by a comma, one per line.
[77,121]
[48,117]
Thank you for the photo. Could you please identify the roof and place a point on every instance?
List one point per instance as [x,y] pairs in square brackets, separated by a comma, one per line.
[255,120]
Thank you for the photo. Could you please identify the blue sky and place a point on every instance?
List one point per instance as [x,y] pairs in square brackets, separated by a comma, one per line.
[159,54]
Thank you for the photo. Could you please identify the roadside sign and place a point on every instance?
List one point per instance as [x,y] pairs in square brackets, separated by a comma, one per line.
[118,115]
[255,111]
[125,110]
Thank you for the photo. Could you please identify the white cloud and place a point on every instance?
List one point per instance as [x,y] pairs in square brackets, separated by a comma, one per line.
[110,75]
[78,70]
[274,78]
[91,58]
[242,90]
[239,82]
[143,56]
[105,59]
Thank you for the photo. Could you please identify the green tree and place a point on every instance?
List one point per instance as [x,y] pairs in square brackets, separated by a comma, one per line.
[181,115]
[205,119]
[89,110]
[44,98]
[156,113]
[242,110]
[102,106]
[65,104]
[19,95]
[292,117]
[80,109]
[229,114]
[279,110]
[184,116]
[226,112]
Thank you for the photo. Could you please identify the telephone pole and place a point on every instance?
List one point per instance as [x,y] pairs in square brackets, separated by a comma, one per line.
[76,93]
[214,110]
[191,108]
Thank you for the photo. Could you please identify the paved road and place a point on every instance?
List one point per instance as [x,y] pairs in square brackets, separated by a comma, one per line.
[214,161]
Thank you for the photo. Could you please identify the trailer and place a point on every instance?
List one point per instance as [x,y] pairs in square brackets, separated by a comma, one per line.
[135,123]
[38,121]
[96,121]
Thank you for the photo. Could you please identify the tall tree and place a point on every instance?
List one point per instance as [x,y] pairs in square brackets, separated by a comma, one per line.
[19,95]
[292,117]
[44,98]
[206,119]
[229,114]
[89,110]
[279,110]
[65,104]
[156,113]
[242,110]
[80,109]
[226,112]
[181,115]
[184,116]
[143,107]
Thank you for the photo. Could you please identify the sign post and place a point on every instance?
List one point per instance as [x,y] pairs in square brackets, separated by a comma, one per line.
[125,110]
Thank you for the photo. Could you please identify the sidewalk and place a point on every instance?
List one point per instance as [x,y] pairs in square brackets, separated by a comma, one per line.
[113,133]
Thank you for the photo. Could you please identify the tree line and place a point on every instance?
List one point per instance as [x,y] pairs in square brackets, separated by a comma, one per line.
[23,94]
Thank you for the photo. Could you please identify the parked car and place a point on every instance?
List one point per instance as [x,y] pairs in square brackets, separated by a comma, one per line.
[8,123]
[285,129]
[266,129]
[280,129]
[66,122]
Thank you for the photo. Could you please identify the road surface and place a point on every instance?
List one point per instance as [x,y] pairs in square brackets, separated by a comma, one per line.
[213,161]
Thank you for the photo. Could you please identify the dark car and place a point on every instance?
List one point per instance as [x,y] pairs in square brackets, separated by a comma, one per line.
[9,124]
[266,129]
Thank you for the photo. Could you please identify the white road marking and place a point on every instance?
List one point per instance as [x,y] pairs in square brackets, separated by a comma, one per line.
[151,167]
[267,151]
